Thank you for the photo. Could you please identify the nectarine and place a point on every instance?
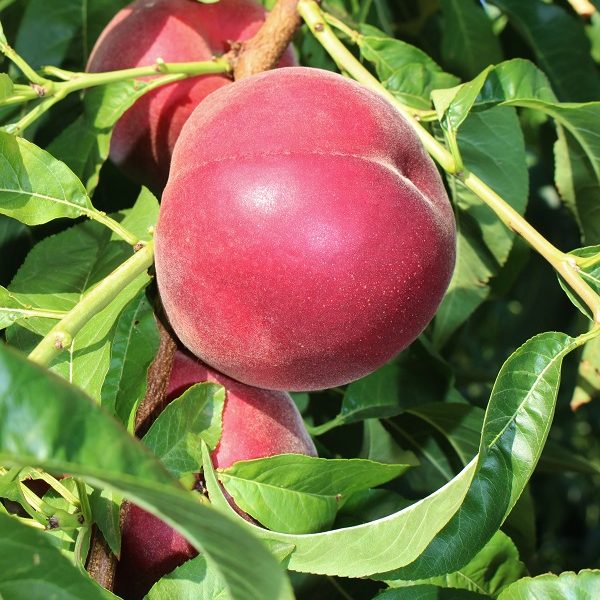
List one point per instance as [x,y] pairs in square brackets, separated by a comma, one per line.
[305,237]
[175,31]
[256,423]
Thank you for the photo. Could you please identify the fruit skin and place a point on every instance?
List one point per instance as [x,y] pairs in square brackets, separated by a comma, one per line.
[304,237]
[176,31]
[256,423]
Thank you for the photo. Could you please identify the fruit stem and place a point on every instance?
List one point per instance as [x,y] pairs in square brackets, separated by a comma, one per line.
[63,333]
[564,264]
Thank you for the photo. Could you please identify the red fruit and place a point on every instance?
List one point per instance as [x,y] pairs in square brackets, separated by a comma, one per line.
[305,237]
[175,31]
[256,423]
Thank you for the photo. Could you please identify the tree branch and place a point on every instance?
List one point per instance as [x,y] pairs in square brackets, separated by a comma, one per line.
[265,49]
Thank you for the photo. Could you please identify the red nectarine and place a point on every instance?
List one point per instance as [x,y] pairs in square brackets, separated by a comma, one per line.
[175,31]
[305,237]
[256,423]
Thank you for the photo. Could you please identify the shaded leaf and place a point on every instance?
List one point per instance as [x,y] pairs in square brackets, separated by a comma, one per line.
[85,143]
[134,346]
[468,42]
[565,57]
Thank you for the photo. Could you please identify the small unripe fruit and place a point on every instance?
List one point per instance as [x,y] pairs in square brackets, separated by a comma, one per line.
[256,424]
[174,31]
[305,237]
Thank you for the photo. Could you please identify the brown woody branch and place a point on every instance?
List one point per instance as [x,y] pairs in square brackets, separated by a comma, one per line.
[266,48]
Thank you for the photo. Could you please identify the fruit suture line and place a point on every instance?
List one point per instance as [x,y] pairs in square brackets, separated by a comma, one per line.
[566,265]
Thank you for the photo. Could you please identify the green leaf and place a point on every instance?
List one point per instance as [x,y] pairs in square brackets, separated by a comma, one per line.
[32,567]
[564,56]
[428,592]
[361,550]
[572,586]
[498,157]
[468,42]
[590,274]
[6,86]
[85,143]
[516,425]
[404,70]
[293,493]
[35,187]
[47,30]
[55,276]
[106,513]
[176,435]
[134,346]
[587,385]
[519,83]
[495,567]
[15,308]
[47,422]
[194,580]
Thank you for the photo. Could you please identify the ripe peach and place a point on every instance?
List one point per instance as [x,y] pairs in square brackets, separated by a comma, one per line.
[256,423]
[305,237]
[176,31]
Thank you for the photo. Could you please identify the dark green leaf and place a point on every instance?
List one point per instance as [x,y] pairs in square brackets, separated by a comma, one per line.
[564,56]
[49,423]
[134,346]
[176,435]
[46,31]
[468,42]
[429,592]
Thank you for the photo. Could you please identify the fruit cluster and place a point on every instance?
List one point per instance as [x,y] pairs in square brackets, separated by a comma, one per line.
[304,237]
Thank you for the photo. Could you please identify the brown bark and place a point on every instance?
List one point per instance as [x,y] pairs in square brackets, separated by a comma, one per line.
[264,50]
[101,562]
[158,380]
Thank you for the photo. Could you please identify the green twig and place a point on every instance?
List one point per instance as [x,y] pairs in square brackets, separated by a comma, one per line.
[562,263]
[62,334]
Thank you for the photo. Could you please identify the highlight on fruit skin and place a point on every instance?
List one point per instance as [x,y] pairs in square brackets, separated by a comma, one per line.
[174,31]
[305,237]
[256,423]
